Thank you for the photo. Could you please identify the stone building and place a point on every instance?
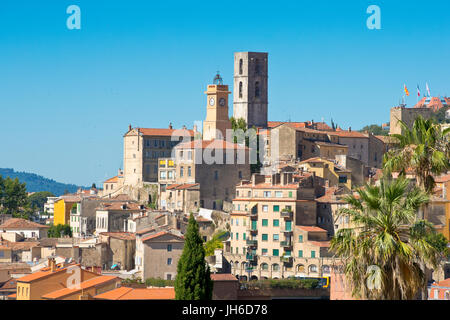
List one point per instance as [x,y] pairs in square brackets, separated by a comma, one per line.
[250,95]
[180,197]
[407,115]
[161,252]
[121,248]
[113,217]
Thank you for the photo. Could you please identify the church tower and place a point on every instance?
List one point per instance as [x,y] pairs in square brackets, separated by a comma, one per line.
[217,120]
[250,88]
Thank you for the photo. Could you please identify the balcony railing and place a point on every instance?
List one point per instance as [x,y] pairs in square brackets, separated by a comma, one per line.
[286,214]
[252,230]
[286,243]
[252,243]
[287,259]
[288,230]
[251,256]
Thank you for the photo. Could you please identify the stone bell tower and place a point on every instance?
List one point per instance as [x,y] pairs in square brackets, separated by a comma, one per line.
[217,120]
[250,88]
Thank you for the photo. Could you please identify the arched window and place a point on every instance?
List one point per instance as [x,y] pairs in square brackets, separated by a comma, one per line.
[240,89]
[300,268]
[256,89]
[275,267]
[257,66]
[312,268]
[264,266]
[447,295]
[325,269]
[240,66]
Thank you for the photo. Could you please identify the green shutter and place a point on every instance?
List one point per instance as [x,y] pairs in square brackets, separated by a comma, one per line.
[300,253]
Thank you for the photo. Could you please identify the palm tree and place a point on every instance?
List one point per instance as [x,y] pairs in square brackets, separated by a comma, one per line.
[424,148]
[384,253]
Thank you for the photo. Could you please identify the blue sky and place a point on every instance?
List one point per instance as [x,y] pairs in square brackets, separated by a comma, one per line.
[67,96]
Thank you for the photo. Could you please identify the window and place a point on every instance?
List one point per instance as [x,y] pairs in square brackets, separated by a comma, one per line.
[240,66]
[266,194]
[264,252]
[231,221]
[275,252]
[237,235]
[169,277]
[276,223]
[240,174]
[169,247]
[290,194]
[169,261]
[231,235]
[162,175]
[181,171]
[300,253]
[265,237]
[240,89]
[265,208]
[244,236]
[265,222]
[313,254]
[2,253]
[276,208]
[249,194]
[300,238]
[257,66]
[256,89]
[276,237]
[342,179]
[216,175]
[264,266]
[278,194]
[189,171]
[237,221]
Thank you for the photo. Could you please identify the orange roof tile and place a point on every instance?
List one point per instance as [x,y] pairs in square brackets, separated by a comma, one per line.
[120,235]
[443,283]
[159,234]
[322,244]
[442,179]
[125,293]
[17,223]
[83,285]
[44,272]
[112,180]
[311,228]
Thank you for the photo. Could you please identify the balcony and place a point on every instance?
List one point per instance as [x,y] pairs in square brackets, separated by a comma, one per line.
[287,260]
[252,230]
[287,231]
[250,256]
[253,213]
[286,214]
[286,244]
[252,243]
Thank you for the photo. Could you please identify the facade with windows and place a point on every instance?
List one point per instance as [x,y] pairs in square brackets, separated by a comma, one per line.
[273,232]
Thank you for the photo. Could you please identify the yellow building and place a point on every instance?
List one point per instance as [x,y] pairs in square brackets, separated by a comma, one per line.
[62,208]
[335,174]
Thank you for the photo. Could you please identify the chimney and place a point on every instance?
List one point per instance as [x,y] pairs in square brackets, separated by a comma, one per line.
[184,127]
[52,264]
[170,125]
[349,129]
[129,127]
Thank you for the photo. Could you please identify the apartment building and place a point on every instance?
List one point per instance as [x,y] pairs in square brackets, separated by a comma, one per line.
[273,229]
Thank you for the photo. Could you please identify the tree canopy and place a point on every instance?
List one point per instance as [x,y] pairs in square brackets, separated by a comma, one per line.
[13,198]
[59,231]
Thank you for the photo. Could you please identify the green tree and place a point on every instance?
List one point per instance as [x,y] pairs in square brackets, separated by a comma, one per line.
[375,130]
[215,243]
[59,231]
[13,197]
[193,281]
[424,149]
[385,253]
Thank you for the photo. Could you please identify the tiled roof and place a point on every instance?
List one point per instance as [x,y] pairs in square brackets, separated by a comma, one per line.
[10,284]
[223,277]
[83,285]
[25,245]
[314,159]
[125,293]
[329,196]
[322,244]
[165,132]
[311,229]
[182,186]
[18,224]
[442,179]
[122,197]
[160,234]
[434,103]
[144,231]
[112,180]
[273,124]
[120,235]
[210,144]
[443,283]
[44,272]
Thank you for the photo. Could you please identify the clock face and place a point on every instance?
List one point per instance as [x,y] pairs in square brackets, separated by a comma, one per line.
[211,101]
[222,101]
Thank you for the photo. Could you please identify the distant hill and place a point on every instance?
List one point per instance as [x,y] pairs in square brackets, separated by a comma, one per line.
[37,183]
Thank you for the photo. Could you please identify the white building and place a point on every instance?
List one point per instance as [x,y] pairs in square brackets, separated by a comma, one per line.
[25,228]
[49,206]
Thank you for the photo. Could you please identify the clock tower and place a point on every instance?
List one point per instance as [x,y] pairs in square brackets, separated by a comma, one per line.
[217,121]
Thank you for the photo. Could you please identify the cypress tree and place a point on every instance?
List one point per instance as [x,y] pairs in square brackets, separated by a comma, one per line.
[193,281]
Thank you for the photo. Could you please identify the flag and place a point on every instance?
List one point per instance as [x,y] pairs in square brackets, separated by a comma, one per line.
[406,90]
[418,91]
[428,90]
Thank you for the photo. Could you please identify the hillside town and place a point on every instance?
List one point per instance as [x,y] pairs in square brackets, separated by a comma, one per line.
[269,197]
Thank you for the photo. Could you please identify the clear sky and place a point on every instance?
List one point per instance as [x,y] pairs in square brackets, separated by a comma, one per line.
[68,96]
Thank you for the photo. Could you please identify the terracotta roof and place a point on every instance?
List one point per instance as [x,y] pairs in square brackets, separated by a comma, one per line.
[265,185]
[122,197]
[182,186]
[223,277]
[112,180]
[442,179]
[129,206]
[443,283]
[120,235]
[322,244]
[330,196]
[165,132]
[159,234]
[144,231]
[311,229]
[83,285]
[210,144]
[434,103]
[273,124]
[10,284]
[125,293]
[314,159]
[17,224]
[25,245]
[202,219]
[44,272]
[348,134]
